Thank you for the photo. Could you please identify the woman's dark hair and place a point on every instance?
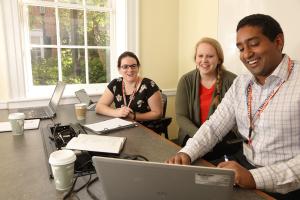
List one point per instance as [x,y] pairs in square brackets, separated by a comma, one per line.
[128,54]
[269,26]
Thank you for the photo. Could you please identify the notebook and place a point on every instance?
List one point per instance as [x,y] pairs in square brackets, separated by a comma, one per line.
[109,125]
[131,179]
[97,143]
[49,111]
[28,125]
[84,98]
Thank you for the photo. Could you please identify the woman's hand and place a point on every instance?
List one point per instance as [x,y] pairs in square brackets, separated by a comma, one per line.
[123,111]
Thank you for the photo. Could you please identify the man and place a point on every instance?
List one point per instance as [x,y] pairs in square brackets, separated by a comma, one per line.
[266,108]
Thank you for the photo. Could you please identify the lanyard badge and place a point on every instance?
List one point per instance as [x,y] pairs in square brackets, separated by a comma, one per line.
[253,118]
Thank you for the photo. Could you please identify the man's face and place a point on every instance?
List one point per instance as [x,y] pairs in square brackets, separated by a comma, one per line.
[260,55]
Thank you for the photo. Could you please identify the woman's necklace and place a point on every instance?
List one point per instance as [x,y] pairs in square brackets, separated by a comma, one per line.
[132,94]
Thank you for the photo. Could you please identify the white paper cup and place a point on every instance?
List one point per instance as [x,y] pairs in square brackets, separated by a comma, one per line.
[17,123]
[80,111]
[62,165]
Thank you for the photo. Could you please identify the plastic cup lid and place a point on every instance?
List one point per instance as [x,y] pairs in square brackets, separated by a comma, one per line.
[80,105]
[62,157]
[16,116]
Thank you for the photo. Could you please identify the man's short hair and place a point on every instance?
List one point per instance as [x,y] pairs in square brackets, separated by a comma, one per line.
[269,26]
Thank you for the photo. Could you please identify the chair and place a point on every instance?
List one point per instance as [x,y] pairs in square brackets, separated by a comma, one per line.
[160,125]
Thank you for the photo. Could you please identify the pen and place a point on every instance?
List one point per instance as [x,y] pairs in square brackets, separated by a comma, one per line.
[226,158]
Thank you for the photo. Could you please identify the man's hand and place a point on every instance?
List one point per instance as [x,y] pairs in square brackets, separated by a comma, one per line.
[243,177]
[180,158]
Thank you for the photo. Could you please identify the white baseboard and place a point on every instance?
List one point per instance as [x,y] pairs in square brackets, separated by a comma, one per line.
[3,105]
[169,92]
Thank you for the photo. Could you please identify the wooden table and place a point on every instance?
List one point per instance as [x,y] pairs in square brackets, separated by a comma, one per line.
[24,168]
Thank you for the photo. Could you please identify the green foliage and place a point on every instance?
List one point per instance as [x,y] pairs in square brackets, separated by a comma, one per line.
[45,72]
[97,71]
[73,66]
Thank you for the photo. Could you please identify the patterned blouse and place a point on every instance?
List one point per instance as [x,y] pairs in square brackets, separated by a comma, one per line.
[139,103]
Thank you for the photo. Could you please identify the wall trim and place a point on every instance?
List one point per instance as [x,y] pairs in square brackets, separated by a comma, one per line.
[30,102]
[169,92]
[3,105]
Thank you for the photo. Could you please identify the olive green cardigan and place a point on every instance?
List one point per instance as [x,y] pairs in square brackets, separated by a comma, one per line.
[187,102]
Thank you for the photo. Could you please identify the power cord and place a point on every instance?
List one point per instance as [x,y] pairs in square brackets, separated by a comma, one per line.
[134,157]
[71,190]
[92,195]
[74,191]
[92,181]
[87,185]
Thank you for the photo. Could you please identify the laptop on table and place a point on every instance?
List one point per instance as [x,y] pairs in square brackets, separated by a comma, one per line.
[129,179]
[48,111]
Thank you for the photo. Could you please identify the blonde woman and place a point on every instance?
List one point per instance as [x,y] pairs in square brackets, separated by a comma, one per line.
[200,91]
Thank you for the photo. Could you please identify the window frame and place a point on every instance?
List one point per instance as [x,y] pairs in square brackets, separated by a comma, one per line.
[17,54]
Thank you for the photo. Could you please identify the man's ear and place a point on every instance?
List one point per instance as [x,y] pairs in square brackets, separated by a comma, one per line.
[279,41]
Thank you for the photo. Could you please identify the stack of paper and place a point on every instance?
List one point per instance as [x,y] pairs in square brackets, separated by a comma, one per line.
[110,125]
[97,143]
[28,124]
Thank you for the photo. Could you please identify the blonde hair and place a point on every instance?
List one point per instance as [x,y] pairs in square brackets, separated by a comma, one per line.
[220,67]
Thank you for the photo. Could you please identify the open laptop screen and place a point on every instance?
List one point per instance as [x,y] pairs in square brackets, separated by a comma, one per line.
[58,91]
[128,179]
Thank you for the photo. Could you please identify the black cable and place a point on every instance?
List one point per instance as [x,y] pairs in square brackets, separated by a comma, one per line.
[91,182]
[71,190]
[88,190]
[80,188]
[134,157]
[74,191]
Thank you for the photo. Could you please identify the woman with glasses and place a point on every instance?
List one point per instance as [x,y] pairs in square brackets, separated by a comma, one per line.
[135,97]
[200,91]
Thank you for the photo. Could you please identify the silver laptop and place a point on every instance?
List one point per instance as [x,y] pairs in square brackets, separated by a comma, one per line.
[130,180]
[49,111]
[84,98]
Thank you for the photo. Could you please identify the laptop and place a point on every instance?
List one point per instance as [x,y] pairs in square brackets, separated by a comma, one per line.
[84,98]
[131,179]
[49,111]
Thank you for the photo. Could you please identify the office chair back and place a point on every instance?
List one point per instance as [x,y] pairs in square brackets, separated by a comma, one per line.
[164,103]
[160,125]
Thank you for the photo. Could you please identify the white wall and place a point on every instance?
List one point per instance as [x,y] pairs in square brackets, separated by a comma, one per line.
[287,13]
[197,19]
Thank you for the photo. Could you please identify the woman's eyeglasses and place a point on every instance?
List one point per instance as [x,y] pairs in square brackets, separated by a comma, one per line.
[133,66]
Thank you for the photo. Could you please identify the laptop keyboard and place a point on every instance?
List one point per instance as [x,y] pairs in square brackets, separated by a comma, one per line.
[36,113]
[91,107]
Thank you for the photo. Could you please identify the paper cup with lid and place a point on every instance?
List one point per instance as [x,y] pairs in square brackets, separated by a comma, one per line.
[17,123]
[62,166]
[80,111]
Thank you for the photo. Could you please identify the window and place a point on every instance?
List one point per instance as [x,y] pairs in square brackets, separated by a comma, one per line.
[76,41]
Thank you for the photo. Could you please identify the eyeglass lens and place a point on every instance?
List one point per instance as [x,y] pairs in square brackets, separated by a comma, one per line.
[133,66]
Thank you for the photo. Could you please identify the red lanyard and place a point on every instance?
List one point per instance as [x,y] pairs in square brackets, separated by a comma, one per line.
[132,95]
[265,103]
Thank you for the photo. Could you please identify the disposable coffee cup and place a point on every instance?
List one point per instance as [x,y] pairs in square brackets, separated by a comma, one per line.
[62,165]
[17,123]
[80,111]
